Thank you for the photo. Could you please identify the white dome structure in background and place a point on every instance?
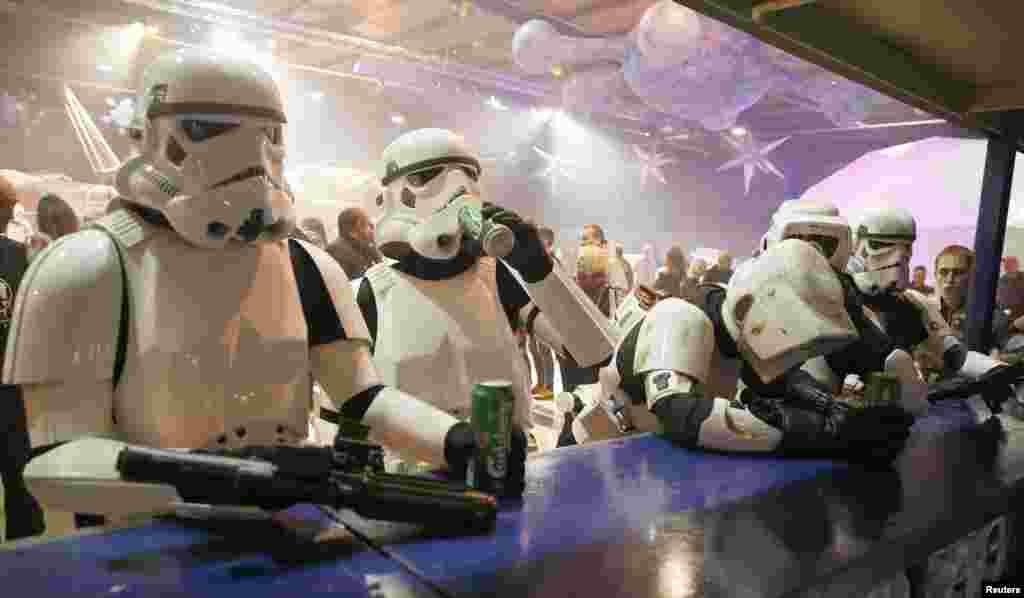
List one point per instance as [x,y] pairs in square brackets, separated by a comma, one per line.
[937,179]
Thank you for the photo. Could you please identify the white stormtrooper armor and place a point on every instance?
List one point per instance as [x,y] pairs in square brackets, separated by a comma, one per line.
[881,265]
[818,223]
[205,309]
[457,322]
[787,310]
[884,246]
[669,356]
[424,170]
[671,347]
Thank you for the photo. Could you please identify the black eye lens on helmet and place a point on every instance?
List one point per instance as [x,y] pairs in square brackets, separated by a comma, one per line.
[422,177]
[472,174]
[202,130]
[877,245]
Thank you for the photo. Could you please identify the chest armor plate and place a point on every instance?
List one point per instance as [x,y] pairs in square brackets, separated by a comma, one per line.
[437,338]
[217,353]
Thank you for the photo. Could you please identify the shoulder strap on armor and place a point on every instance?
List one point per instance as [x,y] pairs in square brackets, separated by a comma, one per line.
[377,281]
[322,322]
[124,230]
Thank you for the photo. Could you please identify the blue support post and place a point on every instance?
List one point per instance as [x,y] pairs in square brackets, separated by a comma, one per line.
[988,241]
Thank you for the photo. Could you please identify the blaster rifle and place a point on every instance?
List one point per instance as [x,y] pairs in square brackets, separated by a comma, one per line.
[994,386]
[349,475]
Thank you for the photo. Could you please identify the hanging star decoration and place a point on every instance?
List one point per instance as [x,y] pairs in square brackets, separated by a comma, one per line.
[556,167]
[752,157]
[650,163]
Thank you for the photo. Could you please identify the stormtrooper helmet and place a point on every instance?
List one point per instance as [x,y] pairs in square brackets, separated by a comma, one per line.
[884,246]
[211,151]
[428,174]
[787,310]
[818,223]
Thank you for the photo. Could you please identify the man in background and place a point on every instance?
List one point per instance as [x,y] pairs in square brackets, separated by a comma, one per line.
[354,248]
[669,278]
[593,234]
[918,283]
[721,271]
[543,358]
[1010,292]
[23,515]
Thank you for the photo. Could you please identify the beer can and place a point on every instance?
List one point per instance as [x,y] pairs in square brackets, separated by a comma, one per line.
[497,239]
[491,419]
[882,389]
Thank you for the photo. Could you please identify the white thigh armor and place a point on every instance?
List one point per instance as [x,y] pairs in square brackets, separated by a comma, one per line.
[437,338]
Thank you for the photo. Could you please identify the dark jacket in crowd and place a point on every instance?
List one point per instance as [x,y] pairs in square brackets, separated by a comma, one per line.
[24,516]
[354,258]
[1010,294]
[668,283]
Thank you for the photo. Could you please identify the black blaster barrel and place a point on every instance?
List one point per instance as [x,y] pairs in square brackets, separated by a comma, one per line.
[994,387]
[283,476]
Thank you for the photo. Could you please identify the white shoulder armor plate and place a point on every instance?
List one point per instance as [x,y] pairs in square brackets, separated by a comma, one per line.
[675,336]
[77,280]
[340,290]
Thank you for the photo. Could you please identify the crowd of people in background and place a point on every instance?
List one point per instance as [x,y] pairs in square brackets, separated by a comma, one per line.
[600,268]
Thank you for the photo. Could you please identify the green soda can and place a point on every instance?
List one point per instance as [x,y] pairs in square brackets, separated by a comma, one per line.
[498,240]
[491,419]
[882,389]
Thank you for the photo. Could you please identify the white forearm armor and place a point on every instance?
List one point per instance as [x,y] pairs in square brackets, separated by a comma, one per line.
[571,319]
[654,381]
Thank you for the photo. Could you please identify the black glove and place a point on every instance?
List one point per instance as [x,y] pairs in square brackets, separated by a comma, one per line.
[872,435]
[998,385]
[460,446]
[995,386]
[528,257]
[459,449]
[515,482]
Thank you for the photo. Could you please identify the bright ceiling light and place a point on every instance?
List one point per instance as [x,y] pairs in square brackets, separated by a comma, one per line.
[317,96]
[495,103]
[104,68]
[152,30]
[226,39]
[567,128]
[398,119]
[738,131]
[541,113]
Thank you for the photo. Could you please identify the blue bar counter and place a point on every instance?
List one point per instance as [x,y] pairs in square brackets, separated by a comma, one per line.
[631,517]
